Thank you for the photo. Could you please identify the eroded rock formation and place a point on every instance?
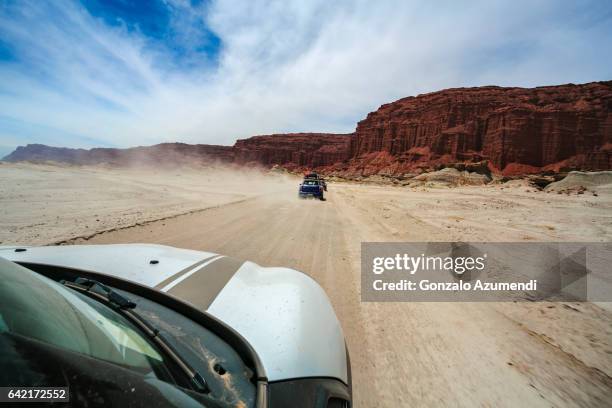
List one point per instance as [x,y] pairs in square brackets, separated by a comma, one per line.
[295,150]
[517,130]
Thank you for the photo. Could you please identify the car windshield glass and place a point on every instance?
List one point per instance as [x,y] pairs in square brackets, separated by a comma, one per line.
[228,377]
[34,306]
[310,183]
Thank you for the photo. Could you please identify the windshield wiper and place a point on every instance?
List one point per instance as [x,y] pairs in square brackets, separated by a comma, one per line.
[125,306]
[111,296]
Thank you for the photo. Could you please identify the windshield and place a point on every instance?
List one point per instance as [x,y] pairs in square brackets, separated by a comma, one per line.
[311,183]
[34,306]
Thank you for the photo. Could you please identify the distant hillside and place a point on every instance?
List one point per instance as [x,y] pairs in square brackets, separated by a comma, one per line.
[289,150]
[165,153]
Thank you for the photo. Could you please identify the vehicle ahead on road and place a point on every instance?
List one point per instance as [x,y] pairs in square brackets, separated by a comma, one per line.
[315,176]
[150,325]
[312,188]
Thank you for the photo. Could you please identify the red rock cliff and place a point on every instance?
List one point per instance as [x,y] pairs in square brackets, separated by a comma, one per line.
[294,150]
[518,130]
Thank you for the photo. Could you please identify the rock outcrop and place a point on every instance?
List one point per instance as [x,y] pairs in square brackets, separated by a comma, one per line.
[294,150]
[449,177]
[517,130]
[577,181]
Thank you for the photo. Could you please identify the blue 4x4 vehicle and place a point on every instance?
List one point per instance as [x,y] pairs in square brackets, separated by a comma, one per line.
[311,187]
[316,177]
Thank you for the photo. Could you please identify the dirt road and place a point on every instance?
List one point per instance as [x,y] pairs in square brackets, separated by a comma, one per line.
[418,354]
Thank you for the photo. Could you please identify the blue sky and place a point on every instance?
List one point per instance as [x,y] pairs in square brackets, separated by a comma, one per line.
[124,73]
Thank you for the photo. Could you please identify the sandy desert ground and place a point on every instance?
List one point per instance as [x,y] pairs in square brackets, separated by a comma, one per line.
[403,354]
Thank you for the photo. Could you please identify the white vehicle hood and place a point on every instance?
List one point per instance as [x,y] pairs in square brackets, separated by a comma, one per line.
[284,314]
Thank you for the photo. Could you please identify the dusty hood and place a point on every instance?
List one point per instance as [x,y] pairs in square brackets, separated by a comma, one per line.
[284,314]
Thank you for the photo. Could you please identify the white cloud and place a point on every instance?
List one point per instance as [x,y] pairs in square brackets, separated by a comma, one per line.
[285,65]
